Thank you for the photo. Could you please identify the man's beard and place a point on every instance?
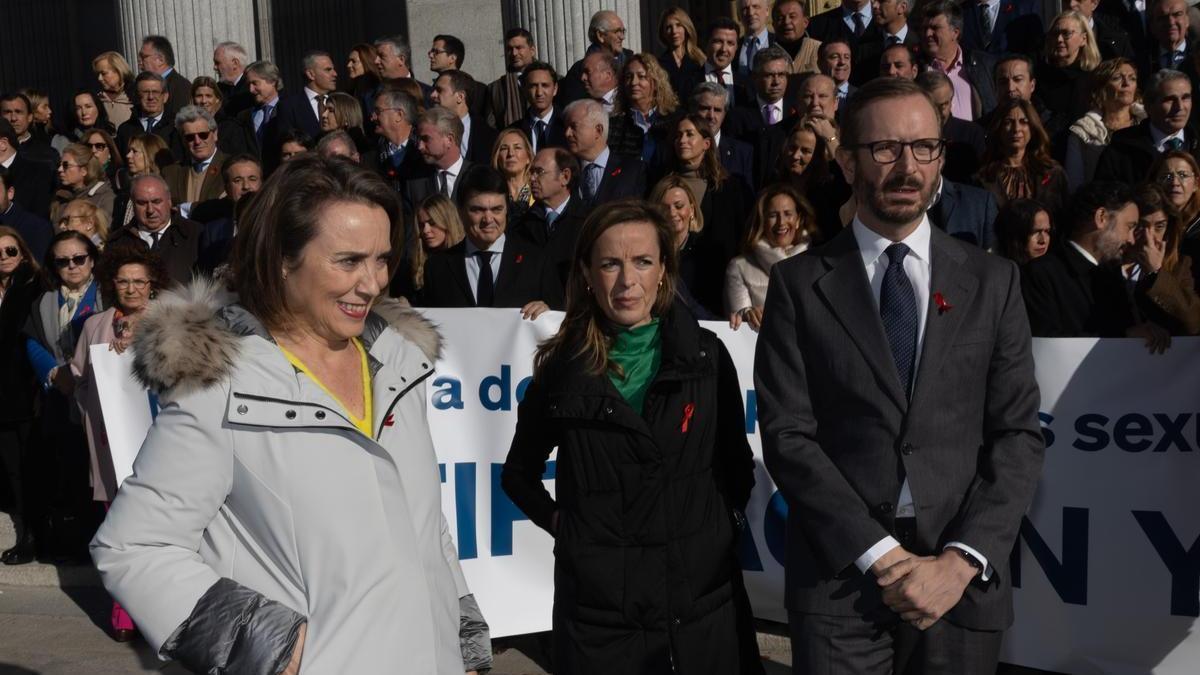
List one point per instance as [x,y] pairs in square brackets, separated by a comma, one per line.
[893,214]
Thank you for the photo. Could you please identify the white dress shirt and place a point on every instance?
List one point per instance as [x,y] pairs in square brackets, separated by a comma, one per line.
[533,129]
[900,35]
[607,100]
[1160,139]
[451,176]
[764,41]
[917,266]
[710,73]
[466,139]
[867,15]
[146,236]
[312,102]
[497,250]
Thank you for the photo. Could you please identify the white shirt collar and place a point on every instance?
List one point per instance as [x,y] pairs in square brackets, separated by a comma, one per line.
[871,245]
[764,38]
[900,34]
[866,12]
[1083,252]
[310,93]
[1160,139]
[778,105]
[496,247]
[710,68]
[717,139]
[561,207]
[546,119]
[455,168]
[8,162]
[601,159]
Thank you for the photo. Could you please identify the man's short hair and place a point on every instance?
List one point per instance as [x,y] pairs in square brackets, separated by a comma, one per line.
[723,23]
[1009,58]
[268,71]
[241,158]
[8,97]
[1160,79]
[194,113]
[163,46]
[931,80]
[609,62]
[947,8]
[566,162]
[518,32]
[392,97]
[310,58]
[1109,195]
[772,53]
[480,179]
[897,46]
[460,82]
[542,66]
[592,111]
[803,7]
[334,137]
[147,76]
[399,45]
[833,41]
[236,50]
[877,90]
[445,121]
[707,89]
[454,47]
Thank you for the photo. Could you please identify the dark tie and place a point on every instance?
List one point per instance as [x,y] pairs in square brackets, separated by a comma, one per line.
[148,122]
[443,184]
[551,216]
[859,26]
[262,126]
[485,290]
[154,237]
[539,135]
[898,310]
[1173,144]
[893,40]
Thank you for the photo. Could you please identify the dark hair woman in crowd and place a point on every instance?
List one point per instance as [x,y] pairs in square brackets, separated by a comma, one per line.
[723,200]
[783,225]
[682,59]
[1167,294]
[1023,230]
[643,404]
[87,113]
[362,77]
[1017,162]
[1179,175]
[20,285]
[51,333]
[804,163]
[309,477]
[206,93]
[129,276]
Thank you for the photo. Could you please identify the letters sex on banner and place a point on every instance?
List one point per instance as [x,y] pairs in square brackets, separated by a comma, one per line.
[1106,567]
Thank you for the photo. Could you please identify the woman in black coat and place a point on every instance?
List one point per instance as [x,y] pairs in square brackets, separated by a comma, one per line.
[653,466]
[20,284]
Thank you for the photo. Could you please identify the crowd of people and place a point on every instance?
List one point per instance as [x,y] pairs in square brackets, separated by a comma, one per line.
[1067,148]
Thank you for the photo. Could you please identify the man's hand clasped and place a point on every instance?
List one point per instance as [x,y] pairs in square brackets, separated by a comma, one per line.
[921,589]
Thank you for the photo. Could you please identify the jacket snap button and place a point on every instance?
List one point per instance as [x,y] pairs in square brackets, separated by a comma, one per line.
[291,414]
[424,365]
[907,449]
[885,507]
[402,379]
[393,388]
[608,411]
[242,410]
[320,414]
[703,353]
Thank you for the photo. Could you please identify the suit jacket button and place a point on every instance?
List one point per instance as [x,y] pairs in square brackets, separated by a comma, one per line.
[291,414]
[320,414]
[885,507]
[907,449]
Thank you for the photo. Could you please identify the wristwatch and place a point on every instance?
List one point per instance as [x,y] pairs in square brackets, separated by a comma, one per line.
[971,560]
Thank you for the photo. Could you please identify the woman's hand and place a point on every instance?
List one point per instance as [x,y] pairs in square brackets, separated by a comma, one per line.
[735,320]
[1150,254]
[753,316]
[534,309]
[118,345]
[1157,338]
[293,666]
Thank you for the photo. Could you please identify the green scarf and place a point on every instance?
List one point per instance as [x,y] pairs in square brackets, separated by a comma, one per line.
[639,353]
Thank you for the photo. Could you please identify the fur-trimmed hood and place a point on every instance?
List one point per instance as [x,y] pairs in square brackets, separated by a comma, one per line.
[189,338]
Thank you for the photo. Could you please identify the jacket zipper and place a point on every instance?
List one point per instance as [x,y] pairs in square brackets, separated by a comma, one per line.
[388,413]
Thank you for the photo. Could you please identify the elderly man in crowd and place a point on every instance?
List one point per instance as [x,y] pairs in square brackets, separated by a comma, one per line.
[606,33]
[393,60]
[175,239]
[790,19]
[605,176]
[151,116]
[229,64]
[711,102]
[1133,150]
[198,177]
[394,114]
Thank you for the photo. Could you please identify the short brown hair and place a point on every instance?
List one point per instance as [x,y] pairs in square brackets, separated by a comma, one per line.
[283,218]
[131,251]
[877,90]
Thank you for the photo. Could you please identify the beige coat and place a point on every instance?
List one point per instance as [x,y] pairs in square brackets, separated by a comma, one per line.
[97,330]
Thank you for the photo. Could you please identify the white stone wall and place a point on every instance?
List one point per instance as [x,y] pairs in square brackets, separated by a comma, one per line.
[192,26]
[559,27]
[476,22]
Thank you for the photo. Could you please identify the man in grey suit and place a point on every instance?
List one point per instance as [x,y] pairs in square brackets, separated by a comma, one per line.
[899,417]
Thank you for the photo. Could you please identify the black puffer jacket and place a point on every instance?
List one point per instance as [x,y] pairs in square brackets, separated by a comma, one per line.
[644,562]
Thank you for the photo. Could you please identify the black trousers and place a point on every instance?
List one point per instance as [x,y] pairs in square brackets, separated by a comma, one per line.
[15,465]
[882,644]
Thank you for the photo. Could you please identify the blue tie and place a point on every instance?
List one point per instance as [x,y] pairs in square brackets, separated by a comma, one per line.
[898,310]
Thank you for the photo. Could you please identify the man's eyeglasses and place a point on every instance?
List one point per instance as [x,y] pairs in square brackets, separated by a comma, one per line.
[75,261]
[135,284]
[435,52]
[202,135]
[150,94]
[1172,176]
[924,150]
[10,251]
[618,31]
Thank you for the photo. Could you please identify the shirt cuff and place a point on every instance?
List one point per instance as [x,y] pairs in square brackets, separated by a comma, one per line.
[873,554]
[987,569]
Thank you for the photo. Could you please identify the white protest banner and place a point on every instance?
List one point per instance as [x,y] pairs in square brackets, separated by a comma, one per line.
[1109,561]
[128,408]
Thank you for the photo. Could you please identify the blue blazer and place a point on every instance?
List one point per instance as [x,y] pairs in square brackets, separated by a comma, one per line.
[1018,28]
[965,212]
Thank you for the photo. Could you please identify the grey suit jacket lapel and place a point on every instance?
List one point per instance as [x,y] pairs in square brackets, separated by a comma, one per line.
[958,288]
[848,293]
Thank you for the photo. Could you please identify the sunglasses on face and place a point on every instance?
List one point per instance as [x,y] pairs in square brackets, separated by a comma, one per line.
[202,135]
[71,261]
[10,251]
[67,165]
[99,146]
